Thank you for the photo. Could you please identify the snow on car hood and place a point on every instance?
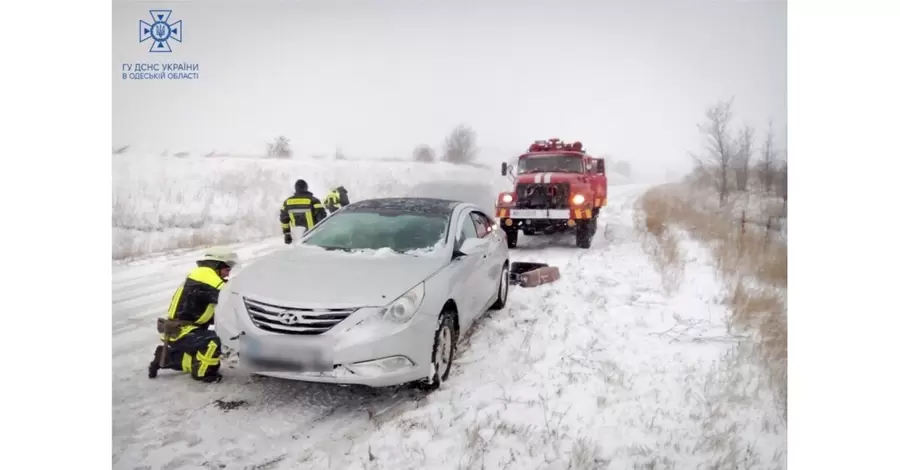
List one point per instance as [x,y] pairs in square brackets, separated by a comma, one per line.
[312,277]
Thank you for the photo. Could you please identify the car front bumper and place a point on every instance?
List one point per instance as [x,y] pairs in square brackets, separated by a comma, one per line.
[362,349]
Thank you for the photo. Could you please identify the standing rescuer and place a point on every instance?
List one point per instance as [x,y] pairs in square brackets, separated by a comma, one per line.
[300,210]
[336,199]
[192,347]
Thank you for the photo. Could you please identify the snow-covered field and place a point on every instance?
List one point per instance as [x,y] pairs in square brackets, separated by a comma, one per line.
[166,203]
[602,369]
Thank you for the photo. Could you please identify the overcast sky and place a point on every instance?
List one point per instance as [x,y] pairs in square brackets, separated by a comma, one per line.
[627,78]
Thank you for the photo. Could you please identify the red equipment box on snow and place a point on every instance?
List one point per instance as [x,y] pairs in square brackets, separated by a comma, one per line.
[532,274]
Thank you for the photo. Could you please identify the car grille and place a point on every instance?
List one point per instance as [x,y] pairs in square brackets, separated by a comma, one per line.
[542,196]
[293,320]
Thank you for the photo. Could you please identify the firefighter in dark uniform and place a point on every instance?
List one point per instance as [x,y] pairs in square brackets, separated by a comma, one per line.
[194,348]
[336,199]
[300,210]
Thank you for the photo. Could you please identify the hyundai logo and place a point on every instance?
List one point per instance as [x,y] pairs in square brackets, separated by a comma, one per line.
[288,318]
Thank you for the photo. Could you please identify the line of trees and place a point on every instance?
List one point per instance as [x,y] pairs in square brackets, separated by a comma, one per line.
[732,161]
[460,147]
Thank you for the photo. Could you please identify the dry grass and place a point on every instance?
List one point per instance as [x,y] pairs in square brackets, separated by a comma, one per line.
[751,260]
[661,242]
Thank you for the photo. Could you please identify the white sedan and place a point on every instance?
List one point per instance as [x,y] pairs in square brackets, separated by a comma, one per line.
[377,294]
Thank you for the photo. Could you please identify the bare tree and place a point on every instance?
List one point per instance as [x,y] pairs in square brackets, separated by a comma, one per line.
[459,147]
[280,148]
[742,158]
[424,154]
[719,145]
[339,154]
[768,155]
[780,182]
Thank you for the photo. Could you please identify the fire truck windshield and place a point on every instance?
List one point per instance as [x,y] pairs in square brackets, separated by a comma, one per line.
[550,163]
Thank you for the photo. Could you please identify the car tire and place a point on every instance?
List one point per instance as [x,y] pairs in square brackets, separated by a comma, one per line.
[442,352]
[502,288]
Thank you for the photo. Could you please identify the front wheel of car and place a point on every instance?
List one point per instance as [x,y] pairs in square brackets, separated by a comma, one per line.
[502,288]
[442,352]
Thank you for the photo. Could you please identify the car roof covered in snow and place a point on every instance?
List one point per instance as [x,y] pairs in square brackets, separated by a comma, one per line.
[425,205]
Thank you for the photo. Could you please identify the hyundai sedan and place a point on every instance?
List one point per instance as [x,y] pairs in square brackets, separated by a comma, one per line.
[377,294]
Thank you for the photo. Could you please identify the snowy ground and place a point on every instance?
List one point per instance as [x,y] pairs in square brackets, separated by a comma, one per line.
[599,370]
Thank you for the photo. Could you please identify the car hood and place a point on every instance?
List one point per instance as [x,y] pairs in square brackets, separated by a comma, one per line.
[312,277]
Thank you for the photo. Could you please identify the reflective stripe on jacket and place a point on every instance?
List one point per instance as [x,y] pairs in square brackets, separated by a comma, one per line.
[195,301]
[301,210]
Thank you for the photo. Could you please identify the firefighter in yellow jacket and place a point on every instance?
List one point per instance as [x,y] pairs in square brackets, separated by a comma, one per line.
[195,348]
[336,199]
[302,209]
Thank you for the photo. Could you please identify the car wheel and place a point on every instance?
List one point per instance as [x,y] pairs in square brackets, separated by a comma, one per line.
[442,352]
[502,289]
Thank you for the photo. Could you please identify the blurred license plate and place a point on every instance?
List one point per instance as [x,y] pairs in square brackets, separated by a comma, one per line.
[287,352]
[528,214]
[539,213]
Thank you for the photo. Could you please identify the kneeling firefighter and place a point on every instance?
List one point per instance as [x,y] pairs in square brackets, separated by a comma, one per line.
[190,345]
[336,199]
[300,210]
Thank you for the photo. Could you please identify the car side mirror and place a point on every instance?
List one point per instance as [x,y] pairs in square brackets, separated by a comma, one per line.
[504,169]
[470,246]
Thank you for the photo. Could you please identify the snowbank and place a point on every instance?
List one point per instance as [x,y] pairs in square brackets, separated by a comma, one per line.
[166,203]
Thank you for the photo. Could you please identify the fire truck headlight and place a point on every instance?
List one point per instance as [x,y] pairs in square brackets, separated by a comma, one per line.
[578,199]
[506,198]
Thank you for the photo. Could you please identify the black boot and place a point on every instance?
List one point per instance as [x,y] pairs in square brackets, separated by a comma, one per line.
[153,369]
[211,378]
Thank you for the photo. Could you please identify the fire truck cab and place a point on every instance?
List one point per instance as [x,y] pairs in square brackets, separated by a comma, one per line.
[557,187]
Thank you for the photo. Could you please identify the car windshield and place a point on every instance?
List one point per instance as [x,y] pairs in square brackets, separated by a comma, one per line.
[550,163]
[399,231]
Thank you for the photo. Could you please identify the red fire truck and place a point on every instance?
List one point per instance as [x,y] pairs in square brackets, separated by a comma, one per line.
[557,187]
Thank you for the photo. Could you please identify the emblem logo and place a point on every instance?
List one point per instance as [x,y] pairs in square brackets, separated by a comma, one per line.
[288,318]
[160,31]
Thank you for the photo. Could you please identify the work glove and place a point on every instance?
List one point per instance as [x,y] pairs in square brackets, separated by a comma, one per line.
[288,239]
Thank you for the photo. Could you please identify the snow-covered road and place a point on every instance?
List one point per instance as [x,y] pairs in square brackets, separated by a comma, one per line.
[602,369]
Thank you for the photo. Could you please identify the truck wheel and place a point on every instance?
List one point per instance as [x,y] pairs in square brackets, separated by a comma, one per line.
[528,231]
[584,235]
[512,237]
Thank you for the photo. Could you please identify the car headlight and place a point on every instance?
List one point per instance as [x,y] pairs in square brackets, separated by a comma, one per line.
[578,199]
[402,309]
[507,198]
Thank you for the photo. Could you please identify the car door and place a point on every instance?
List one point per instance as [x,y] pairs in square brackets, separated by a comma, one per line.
[492,265]
[468,273]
